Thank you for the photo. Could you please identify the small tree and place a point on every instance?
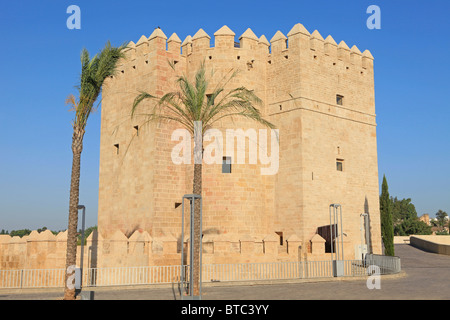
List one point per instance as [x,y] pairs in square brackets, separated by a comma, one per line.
[441,217]
[387,228]
[20,233]
[412,227]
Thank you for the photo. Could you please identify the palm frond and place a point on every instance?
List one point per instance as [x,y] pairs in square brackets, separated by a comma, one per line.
[190,103]
[94,71]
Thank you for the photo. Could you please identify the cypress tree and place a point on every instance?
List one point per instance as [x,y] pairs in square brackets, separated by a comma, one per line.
[387,227]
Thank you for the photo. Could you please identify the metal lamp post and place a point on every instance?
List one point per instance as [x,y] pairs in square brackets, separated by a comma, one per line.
[192,198]
[337,256]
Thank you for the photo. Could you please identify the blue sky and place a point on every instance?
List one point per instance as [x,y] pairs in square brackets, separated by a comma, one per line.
[40,67]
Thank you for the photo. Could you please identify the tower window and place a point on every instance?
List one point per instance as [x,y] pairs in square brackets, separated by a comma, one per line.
[339,165]
[210,99]
[280,234]
[339,100]
[226,165]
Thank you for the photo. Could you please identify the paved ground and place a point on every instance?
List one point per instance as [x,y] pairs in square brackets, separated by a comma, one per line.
[425,276]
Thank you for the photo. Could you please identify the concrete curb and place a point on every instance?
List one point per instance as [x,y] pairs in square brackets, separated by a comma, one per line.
[205,285]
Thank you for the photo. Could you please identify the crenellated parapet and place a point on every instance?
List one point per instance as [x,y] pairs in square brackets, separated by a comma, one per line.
[47,251]
[224,38]
[38,250]
[299,42]
[200,41]
[174,44]
[249,40]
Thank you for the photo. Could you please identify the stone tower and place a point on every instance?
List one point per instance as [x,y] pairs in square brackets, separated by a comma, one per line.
[318,93]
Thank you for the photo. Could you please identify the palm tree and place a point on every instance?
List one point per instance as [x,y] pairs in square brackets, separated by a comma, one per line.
[197,112]
[93,73]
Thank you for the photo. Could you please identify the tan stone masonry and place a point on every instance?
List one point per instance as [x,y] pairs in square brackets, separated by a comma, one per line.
[247,216]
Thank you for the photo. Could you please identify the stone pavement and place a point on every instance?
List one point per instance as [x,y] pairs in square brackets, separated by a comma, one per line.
[425,276]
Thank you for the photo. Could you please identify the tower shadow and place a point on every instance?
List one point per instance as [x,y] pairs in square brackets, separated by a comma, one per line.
[93,260]
[367,227]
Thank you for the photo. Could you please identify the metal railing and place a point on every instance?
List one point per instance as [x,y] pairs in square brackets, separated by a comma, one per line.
[126,276]
[129,276]
[387,264]
[32,278]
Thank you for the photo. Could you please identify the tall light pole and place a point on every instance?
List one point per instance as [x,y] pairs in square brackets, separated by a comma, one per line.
[192,198]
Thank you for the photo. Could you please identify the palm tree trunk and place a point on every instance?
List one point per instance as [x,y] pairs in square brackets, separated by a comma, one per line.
[197,230]
[71,255]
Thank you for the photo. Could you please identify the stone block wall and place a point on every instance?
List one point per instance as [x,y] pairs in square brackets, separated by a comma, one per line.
[47,251]
[298,78]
